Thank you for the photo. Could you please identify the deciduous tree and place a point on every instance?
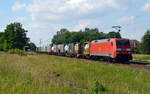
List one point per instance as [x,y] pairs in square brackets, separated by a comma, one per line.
[14,37]
[145,43]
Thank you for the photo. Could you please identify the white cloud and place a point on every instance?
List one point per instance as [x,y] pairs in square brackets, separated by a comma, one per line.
[54,8]
[18,6]
[146,6]
[42,30]
[78,6]
[84,6]
[21,19]
[85,23]
[51,15]
[39,26]
[126,19]
[44,9]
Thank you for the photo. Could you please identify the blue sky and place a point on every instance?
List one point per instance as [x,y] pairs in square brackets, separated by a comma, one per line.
[43,18]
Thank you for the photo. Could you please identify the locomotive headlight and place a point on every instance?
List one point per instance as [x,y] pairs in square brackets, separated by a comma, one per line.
[118,49]
[128,49]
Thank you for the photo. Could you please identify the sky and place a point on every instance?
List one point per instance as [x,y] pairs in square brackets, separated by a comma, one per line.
[43,18]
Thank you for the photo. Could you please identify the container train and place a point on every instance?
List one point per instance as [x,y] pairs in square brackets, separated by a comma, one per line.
[114,49]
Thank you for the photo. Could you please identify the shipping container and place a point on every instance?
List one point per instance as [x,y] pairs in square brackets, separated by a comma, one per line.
[61,48]
[78,49]
[54,48]
[66,48]
[71,48]
[48,49]
[86,48]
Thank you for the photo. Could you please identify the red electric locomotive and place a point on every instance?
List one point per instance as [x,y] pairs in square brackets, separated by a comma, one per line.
[115,49]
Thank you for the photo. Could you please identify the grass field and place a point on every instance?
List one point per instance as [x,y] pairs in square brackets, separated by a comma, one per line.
[44,74]
[140,57]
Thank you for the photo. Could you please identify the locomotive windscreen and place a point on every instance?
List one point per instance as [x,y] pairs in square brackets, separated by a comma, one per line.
[123,43]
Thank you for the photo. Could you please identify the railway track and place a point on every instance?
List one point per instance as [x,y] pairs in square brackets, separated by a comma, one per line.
[131,64]
[140,65]
[134,64]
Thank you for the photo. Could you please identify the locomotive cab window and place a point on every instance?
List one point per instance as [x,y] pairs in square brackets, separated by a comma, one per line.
[123,43]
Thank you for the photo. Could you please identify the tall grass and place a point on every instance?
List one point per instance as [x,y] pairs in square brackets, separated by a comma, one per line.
[17,51]
[44,74]
[141,57]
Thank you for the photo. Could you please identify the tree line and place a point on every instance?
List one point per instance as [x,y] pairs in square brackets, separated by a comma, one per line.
[64,36]
[14,37]
[145,44]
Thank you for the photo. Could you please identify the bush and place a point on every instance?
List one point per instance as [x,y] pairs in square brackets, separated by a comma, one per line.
[135,50]
[97,87]
[17,51]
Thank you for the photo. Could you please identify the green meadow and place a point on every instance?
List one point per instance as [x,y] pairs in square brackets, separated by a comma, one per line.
[141,57]
[45,74]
